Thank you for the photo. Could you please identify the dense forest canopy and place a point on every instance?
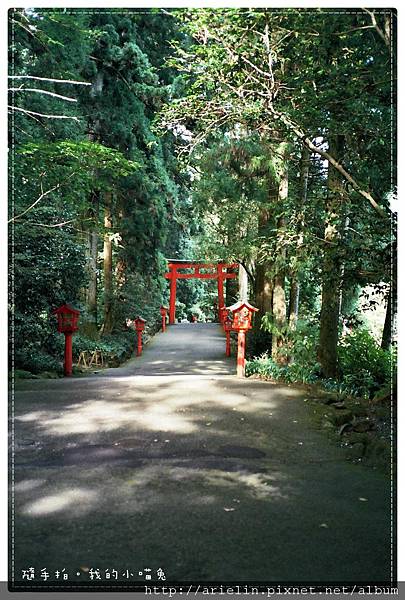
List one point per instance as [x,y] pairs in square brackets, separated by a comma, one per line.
[261,136]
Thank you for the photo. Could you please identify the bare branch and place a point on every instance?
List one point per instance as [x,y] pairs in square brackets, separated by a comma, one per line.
[189,149]
[385,36]
[246,60]
[295,128]
[22,26]
[31,112]
[41,123]
[22,89]
[338,33]
[48,226]
[56,187]
[71,82]
[248,271]
[256,68]
[266,39]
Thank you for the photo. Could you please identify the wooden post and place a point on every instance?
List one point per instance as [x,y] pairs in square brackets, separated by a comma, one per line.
[68,354]
[228,343]
[164,322]
[221,300]
[139,348]
[173,285]
[240,365]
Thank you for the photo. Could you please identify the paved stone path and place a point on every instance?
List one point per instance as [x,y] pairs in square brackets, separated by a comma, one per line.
[172,462]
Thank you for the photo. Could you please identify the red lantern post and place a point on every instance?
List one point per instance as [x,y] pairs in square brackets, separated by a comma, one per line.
[228,327]
[241,322]
[222,314]
[163,312]
[139,326]
[68,318]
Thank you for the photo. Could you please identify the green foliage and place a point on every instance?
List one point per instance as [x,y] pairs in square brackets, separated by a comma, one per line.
[258,342]
[298,353]
[304,340]
[82,157]
[115,348]
[294,373]
[62,169]
[364,365]
[36,361]
[22,374]
[140,295]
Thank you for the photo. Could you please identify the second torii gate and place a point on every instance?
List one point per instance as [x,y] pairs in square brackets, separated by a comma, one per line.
[184,269]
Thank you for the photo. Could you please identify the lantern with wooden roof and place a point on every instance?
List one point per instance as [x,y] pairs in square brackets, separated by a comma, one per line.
[242,313]
[68,319]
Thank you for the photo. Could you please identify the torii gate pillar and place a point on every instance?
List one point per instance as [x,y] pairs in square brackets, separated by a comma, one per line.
[173,289]
[220,281]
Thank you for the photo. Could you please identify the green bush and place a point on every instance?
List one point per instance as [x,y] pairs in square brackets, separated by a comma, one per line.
[299,353]
[37,361]
[364,365]
[258,343]
[115,347]
[21,374]
[294,373]
[303,343]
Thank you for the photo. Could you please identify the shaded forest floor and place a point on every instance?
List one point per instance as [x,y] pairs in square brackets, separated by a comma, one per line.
[171,462]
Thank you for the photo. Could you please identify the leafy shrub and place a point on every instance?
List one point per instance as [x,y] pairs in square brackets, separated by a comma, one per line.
[116,347]
[300,354]
[37,361]
[364,365]
[294,373]
[300,343]
[258,343]
[303,343]
[21,374]
[54,344]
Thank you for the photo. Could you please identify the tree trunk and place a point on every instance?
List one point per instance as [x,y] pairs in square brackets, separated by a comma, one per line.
[294,302]
[121,214]
[231,291]
[279,300]
[279,312]
[263,294]
[263,280]
[92,234]
[92,245]
[108,288]
[294,274]
[242,283]
[387,331]
[390,315]
[332,265]
[120,277]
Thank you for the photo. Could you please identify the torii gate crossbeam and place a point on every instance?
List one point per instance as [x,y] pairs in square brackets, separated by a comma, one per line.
[183,269]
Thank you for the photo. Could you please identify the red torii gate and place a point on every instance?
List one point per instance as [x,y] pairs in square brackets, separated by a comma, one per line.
[194,271]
